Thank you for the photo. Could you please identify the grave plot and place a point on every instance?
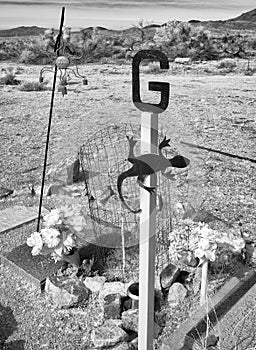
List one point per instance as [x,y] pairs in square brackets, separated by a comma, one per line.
[226,321]
[33,268]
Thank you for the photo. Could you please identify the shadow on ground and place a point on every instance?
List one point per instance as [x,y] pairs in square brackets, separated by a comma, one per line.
[8,326]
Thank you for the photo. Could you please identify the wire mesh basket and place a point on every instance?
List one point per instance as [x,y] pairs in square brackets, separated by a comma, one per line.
[103,158]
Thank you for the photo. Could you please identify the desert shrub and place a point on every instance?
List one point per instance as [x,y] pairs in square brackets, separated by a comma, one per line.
[180,39]
[153,68]
[9,76]
[32,86]
[35,53]
[227,64]
[10,50]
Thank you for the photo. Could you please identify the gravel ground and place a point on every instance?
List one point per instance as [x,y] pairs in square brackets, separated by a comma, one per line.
[216,111]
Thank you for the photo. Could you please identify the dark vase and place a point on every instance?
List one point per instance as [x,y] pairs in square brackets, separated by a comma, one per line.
[73,258]
[133,293]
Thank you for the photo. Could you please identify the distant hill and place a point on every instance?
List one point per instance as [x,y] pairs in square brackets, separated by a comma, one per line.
[245,22]
[249,16]
[22,31]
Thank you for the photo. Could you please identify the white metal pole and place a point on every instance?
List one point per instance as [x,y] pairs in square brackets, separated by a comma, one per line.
[149,144]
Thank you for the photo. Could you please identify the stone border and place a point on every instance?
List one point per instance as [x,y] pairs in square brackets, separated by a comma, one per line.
[38,280]
[22,216]
[20,271]
[188,333]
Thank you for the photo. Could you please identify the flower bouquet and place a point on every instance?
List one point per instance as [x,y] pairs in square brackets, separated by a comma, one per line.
[58,234]
[205,244]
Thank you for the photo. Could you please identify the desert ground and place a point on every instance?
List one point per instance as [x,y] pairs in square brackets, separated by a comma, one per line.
[208,107]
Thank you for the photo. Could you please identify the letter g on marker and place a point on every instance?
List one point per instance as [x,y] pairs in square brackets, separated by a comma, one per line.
[164,88]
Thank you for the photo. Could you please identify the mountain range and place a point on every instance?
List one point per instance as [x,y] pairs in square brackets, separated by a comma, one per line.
[246,21]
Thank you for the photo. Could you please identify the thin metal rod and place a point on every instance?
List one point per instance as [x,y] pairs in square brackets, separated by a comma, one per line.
[220,152]
[49,127]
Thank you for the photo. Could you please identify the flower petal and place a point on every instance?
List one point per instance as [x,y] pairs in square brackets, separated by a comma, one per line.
[199,253]
[204,244]
[36,250]
[210,255]
[35,240]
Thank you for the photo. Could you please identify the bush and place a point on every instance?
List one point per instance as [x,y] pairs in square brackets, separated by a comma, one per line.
[32,86]
[180,39]
[8,77]
[35,53]
[153,68]
[227,64]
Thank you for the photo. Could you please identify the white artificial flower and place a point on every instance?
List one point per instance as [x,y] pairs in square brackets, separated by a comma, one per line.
[204,244]
[206,250]
[36,250]
[78,223]
[53,218]
[50,237]
[69,242]
[199,253]
[238,244]
[57,254]
[210,255]
[35,241]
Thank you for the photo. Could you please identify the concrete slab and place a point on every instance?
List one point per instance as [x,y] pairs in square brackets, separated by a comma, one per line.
[34,269]
[16,216]
[228,314]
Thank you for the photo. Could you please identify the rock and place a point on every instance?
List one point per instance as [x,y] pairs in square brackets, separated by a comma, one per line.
[98,319]
[109,334]
[67,172]
[126,303]
[182,60]
[95,284]
[130,321]
[113,288]
[66,292]
[110,297]
[189,259]
[158,300]
[5,192]
[122,346]
[65,190]
[73,173]
[168,276]
[134,345]
[177,293]
[56,189]
[183,277]
[112,306]
[211,340]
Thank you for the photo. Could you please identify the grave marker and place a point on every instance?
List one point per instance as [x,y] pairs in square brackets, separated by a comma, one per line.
[149,144]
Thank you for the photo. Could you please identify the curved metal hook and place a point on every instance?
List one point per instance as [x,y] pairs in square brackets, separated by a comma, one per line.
[164,88]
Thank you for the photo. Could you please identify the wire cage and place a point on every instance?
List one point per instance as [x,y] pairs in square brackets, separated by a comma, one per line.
[103,158]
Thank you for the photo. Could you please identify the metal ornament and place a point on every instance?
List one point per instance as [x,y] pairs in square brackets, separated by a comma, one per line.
[64,62]
[164,88]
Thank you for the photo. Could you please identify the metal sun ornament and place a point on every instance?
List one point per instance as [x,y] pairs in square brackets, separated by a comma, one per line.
[65,61]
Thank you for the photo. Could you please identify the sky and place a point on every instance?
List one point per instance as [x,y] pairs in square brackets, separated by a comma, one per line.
[115,14]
